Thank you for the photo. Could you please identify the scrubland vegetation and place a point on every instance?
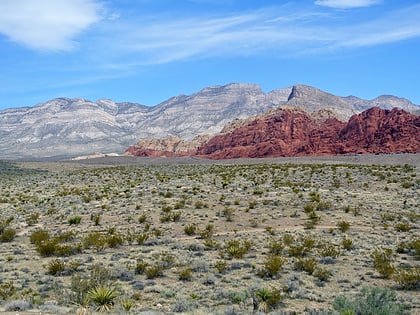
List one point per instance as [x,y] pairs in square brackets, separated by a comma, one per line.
[210,238]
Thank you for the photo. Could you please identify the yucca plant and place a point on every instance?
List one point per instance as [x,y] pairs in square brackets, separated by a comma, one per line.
[127,304]
[103,296]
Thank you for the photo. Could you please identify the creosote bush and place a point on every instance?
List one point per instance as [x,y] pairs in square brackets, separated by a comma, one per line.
[382,261]
[272,266]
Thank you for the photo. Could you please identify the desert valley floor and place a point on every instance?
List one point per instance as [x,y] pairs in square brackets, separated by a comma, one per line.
[280,236]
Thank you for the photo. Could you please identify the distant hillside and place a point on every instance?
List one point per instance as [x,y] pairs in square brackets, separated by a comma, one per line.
[72,127]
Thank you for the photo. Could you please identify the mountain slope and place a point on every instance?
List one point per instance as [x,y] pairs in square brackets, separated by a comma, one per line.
[72,127]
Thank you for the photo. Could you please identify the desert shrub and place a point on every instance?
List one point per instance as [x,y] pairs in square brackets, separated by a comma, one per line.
[275,247]
[235,248]
[408,279]
[272,266]
[314,196]
[343,226]
[185,274]
[142,218]
[411,247]
[96,218]
[141,238]
[322,274]
[103,297]
[403,227]
[267,299]
[39,236]
[7,289]
[114,240]
[5,223]
[32,219]
[221,266]
[56,267]
[309,207]
[17,305]
[127,304]
[382,261]
[324,205]
[328,250]
[7,235]
[305,264]
[47,248]
[140,267]
[95,239]
[183,305]
[153,272]
[297,250]
[190,229]
[74,220]
[370,301]
[207,232]
[347,243]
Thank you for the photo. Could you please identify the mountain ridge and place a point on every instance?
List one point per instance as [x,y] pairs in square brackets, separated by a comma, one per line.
[74,127]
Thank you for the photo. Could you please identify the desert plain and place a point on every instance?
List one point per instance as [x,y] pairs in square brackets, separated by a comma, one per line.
[193,236]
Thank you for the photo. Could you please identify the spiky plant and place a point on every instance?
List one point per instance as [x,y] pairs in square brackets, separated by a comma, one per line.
[103,296]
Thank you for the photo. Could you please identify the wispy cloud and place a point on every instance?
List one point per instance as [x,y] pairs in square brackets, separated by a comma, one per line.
[47,24]
[275,31]
[346,4]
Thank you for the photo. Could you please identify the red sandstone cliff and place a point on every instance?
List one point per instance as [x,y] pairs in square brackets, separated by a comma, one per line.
[291,132]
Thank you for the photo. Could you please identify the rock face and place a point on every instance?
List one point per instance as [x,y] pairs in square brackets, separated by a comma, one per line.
[294,132]
[74,127]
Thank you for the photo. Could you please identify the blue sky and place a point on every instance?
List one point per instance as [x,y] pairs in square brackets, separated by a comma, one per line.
[146,51]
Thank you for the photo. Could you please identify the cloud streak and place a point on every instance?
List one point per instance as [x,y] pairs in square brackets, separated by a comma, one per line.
[346,4]
[47,25]
[273,31]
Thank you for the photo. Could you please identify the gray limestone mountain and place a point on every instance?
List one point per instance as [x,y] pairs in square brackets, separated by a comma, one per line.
[72,127]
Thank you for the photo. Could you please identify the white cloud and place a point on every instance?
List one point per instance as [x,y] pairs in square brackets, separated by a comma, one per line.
[47,24]
[346,4]
[279,32]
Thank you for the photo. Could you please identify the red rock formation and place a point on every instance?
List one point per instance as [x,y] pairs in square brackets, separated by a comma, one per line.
[292,132]
[382,131]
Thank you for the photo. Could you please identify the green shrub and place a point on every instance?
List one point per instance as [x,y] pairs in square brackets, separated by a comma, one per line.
[74,220]
[140,267]
[272,266]
[343,226]
[56,267]
[153,272]
[328,250]
[127,304]
[236,249]
[7,289]
[141,238]
[39,236]
[347,243]
[8,235]
[322,274]
[190,229]
[185,274]
[382,261]
[374,300]
[221,266]
[268,299]
[408,279]
[403,227]
[114,240]
[276,247]
[306,264]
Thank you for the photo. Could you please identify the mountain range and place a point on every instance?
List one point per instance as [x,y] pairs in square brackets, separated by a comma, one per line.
[65,128]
